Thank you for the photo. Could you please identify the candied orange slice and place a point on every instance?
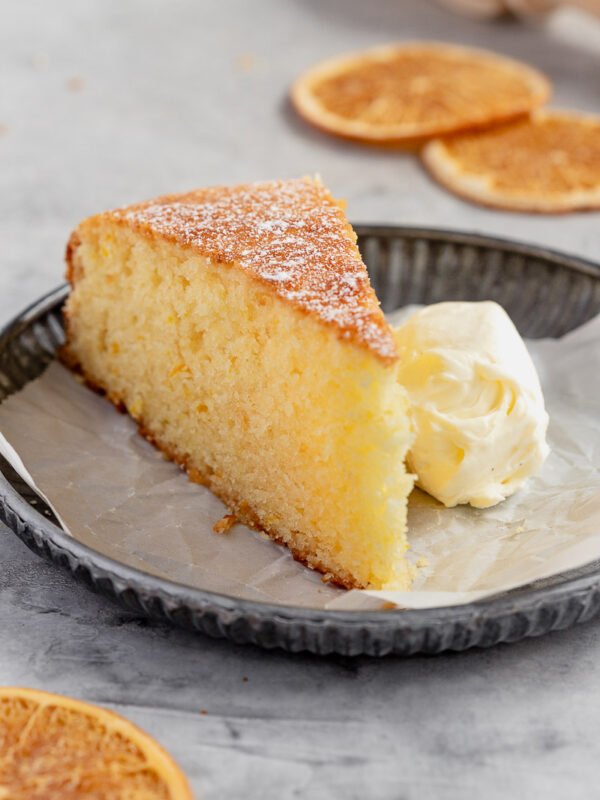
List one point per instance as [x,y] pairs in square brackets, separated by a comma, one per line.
[548,163]
[415,91]
[55,748]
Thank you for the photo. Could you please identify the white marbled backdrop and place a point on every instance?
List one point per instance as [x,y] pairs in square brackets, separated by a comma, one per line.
[107,102]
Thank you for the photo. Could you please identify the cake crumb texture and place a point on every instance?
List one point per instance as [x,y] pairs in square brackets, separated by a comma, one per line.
[225,524]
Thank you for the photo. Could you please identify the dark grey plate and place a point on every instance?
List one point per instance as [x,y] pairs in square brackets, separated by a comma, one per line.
[546,293]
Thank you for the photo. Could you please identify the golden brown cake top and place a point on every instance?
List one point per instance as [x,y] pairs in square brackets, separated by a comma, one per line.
[290,235]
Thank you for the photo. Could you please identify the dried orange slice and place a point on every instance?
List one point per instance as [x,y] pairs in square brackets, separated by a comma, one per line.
[548,163]
[55,748]
[417,90]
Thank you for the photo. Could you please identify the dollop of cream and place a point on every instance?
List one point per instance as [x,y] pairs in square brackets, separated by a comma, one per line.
[477,406]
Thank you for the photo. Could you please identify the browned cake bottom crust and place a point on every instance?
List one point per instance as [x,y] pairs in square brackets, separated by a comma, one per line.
[242,510]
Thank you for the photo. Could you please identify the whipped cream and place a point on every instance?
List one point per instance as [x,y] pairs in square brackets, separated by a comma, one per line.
[477,407]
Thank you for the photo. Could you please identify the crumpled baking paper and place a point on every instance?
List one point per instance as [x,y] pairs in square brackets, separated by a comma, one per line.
[115,493]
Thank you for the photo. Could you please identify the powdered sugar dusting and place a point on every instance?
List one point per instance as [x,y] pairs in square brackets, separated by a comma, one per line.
[288,234]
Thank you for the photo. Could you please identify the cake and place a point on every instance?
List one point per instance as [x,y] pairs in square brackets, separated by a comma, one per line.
[238,327]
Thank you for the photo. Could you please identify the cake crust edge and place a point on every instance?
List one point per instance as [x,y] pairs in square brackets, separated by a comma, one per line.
[380,343]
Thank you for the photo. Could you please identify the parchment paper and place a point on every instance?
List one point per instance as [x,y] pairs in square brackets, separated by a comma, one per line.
[114,492]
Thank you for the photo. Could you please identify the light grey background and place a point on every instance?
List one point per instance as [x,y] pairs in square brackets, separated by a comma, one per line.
[106,102]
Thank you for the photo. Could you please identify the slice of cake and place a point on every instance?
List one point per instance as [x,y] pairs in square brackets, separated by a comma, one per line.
[238,327]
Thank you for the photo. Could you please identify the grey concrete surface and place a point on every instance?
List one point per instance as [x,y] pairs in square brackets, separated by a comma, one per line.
[107,102]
